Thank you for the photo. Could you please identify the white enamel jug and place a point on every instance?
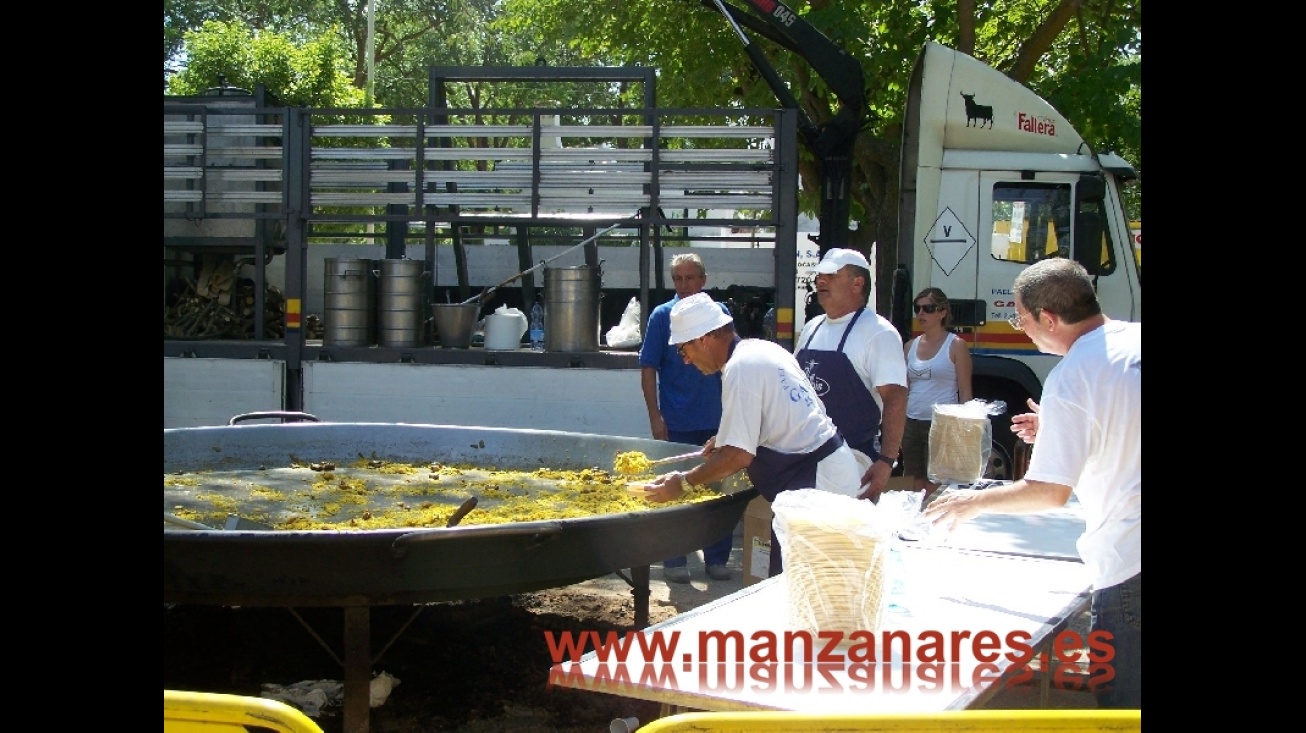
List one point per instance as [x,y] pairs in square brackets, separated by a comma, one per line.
[504,328]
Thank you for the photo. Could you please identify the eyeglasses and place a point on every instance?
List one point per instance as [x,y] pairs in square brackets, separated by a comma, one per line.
[928,307]
[1017,321]
[681,349]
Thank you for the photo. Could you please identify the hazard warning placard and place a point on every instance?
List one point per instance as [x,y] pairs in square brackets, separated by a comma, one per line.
[948,241]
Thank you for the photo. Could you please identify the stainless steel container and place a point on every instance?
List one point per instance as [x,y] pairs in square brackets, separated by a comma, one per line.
[399,304]
[454,323]
[571,308]
[349,302]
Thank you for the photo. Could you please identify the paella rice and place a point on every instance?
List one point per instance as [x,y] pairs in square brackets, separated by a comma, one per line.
[379,495]
[632,463]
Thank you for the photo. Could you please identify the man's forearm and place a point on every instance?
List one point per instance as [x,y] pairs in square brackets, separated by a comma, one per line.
[1023,497]
[723,462]
[893,421]
[648,382]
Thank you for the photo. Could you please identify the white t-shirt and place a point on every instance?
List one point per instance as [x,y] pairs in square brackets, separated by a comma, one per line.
[874,348]
[767,400]
[1090,437]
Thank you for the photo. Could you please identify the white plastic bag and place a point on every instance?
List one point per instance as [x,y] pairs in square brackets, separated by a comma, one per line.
[625,335]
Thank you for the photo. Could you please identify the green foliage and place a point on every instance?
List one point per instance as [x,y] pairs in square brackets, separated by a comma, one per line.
[1090,72]
[180,16]
[1088,60]
[311,73]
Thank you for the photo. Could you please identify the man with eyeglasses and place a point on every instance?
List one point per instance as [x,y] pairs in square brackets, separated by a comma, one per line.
[1088,439]
[684,405]
[854,358]
[773,426]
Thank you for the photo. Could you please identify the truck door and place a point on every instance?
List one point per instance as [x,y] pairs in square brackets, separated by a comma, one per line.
[1058,215]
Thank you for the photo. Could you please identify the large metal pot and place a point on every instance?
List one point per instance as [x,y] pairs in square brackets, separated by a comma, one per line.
[400,566]
[571,308]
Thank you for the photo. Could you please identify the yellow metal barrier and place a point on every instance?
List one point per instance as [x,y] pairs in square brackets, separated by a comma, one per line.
[961,721]
[208,712]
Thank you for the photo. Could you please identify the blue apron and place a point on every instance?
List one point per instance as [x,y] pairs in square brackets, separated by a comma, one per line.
[772,472]
[847,400]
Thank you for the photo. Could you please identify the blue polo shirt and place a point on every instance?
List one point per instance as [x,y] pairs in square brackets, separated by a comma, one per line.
[688,399]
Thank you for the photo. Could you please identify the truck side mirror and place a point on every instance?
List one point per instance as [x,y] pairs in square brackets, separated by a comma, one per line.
[1091,250]
[1091,189]
[1088,241]
[901,297]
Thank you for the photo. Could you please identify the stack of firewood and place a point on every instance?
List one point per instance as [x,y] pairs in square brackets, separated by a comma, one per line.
[314,328]
[221,306]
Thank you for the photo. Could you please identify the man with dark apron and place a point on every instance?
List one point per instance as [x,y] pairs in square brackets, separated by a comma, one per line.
[854,359]
[684,404]
[772,423]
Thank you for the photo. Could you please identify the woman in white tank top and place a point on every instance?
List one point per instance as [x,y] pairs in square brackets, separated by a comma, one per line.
[938,372]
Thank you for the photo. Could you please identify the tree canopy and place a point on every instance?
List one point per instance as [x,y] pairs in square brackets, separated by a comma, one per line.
[1083,56]
[310,73]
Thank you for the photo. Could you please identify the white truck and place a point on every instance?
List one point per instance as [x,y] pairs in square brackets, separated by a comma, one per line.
[993,179]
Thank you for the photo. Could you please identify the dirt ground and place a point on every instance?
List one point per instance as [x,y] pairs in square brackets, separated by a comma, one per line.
[464,667]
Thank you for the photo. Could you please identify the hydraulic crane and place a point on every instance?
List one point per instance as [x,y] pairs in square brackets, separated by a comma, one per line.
[831,142]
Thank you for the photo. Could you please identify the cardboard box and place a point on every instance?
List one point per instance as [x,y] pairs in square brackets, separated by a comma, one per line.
[757,541]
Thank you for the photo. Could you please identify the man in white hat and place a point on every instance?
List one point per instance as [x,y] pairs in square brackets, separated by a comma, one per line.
[773,426]
[854,358]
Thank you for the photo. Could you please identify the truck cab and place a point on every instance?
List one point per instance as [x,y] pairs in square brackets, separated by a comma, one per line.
[993,178]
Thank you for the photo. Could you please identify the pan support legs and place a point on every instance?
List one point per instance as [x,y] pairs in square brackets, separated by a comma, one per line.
[639,588]
[358,669]
[357,663]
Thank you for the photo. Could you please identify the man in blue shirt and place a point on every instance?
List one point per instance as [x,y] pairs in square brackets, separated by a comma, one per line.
[684,405]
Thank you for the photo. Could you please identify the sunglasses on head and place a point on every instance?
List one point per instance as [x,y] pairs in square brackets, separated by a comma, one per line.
[927,307]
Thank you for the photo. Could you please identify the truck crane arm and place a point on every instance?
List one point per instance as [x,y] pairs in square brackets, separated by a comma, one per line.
[832,142]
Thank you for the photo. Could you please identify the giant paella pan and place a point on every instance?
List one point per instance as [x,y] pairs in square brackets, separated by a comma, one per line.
[353,564]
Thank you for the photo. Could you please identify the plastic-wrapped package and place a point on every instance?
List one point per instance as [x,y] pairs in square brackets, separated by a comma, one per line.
[835,552]
[902,512]
[961,439]
[625,335]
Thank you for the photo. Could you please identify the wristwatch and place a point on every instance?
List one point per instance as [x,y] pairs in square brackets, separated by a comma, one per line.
[893,462]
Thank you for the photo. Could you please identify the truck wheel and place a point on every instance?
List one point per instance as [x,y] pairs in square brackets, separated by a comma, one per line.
[1001,464]
[1001,467]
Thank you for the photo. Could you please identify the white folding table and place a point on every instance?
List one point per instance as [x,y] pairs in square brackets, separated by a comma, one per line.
[1012,575]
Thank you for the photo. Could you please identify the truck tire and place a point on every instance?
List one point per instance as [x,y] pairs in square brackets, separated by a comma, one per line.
[1001,464]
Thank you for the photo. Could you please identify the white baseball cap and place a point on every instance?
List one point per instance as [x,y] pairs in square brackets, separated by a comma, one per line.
[694,316]
[837,258]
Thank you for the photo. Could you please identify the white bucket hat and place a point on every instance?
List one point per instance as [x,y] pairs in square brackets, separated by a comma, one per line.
[837,258]
[694,316]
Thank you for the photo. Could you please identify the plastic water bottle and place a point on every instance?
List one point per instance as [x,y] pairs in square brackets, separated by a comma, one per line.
[537,327]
